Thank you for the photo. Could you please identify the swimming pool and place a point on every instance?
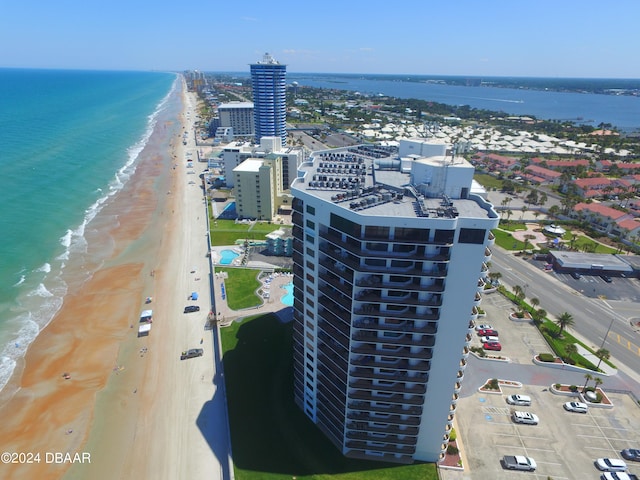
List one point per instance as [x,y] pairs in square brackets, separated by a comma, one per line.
[228,256]
[288,298]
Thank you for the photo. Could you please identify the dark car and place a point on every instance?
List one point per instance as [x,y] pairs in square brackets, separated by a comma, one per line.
[191,353]
[492,346]
[487,332]
[576,275]
[191,308]
[606,278]
[632,454]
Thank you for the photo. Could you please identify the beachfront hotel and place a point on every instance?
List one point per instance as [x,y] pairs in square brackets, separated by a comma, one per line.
[237,115]
[390,258]
[269,98]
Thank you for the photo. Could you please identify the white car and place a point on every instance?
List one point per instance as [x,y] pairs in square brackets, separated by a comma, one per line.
[611,465]
[525,417]
[522,400]
[489,339]
[519,462]
[617,476]
[576,407]
[483,327]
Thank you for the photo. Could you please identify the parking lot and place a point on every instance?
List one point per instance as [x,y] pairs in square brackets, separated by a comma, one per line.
[564,445]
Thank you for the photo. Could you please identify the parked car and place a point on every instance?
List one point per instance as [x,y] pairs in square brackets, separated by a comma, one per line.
[606,278]
[519,462]
[488,332]
[483,326]
[191,353]
[618,476]
[495,346]
[191,308]
[632,454]
[576,407]
[576,275]
[611,465]
[489,339]
[521,400]
[527,418]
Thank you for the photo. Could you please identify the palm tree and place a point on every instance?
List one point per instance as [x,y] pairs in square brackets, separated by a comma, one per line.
[587,377]
[539,315]
[564,321]
[569,350]
[602,354]
[534,302]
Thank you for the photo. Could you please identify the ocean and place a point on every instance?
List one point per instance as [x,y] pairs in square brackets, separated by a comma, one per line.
[70,141]
[565,99]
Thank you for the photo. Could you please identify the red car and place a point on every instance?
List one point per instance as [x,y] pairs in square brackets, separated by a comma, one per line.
[492,346]
[488,332]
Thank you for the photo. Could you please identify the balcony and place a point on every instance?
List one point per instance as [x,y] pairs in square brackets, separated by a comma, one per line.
[491,239]
[487,254]
[387,398]
[389,428]
[388,386]
[399,364]
[395,325]
[457,387]
[477,300]
[379,447]
[388,409]
[377,437]
[383,418]
[394,375]
[481,285]
[409,313]
[398,352]
[401,339]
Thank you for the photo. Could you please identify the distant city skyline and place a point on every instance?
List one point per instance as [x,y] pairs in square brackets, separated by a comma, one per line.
[574,39]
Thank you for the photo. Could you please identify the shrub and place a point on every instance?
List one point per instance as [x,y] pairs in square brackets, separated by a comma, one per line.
[493,384]
[452,450]
[598,397]
[546,357]
[557,386]
[453,435]
[573,388]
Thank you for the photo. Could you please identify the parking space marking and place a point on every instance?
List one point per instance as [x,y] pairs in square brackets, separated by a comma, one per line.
[496,410]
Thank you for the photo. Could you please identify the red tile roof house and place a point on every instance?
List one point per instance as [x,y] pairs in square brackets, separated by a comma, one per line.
[592,187]
[497,162]
[550,176]
[562,164]
[602,218]
[629,227]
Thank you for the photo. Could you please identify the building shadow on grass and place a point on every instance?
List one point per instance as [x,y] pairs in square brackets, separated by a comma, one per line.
[212,420]
[269,433]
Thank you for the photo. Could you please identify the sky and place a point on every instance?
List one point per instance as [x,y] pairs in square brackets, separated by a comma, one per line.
[541,38]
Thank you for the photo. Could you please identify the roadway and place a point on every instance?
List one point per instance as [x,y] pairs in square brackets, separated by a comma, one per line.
[594,317]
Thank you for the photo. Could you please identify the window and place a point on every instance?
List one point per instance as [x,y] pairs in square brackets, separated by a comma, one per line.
[344,225]
[443,236]
[381,233]
[311,224]
[311,210]
[472,235]
[311,252]
[411,234]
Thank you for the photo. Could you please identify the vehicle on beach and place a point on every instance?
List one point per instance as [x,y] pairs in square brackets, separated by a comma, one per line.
[191,353]
[191,308]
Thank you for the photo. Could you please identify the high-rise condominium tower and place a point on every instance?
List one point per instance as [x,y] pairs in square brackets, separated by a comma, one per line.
[390,257]
[269,98]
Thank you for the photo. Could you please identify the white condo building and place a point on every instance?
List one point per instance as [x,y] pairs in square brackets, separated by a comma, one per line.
[390,257]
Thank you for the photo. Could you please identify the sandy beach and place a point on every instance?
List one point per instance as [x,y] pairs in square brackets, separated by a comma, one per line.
[130,407]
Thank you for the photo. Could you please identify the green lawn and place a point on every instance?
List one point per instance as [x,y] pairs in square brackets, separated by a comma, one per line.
[271,438]
[586,244]
[240,287]
[488,181]
[226,232]
[506,240]
[512,226]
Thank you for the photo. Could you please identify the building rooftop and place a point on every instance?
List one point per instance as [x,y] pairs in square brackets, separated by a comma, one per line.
[249,165]
[373,180]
